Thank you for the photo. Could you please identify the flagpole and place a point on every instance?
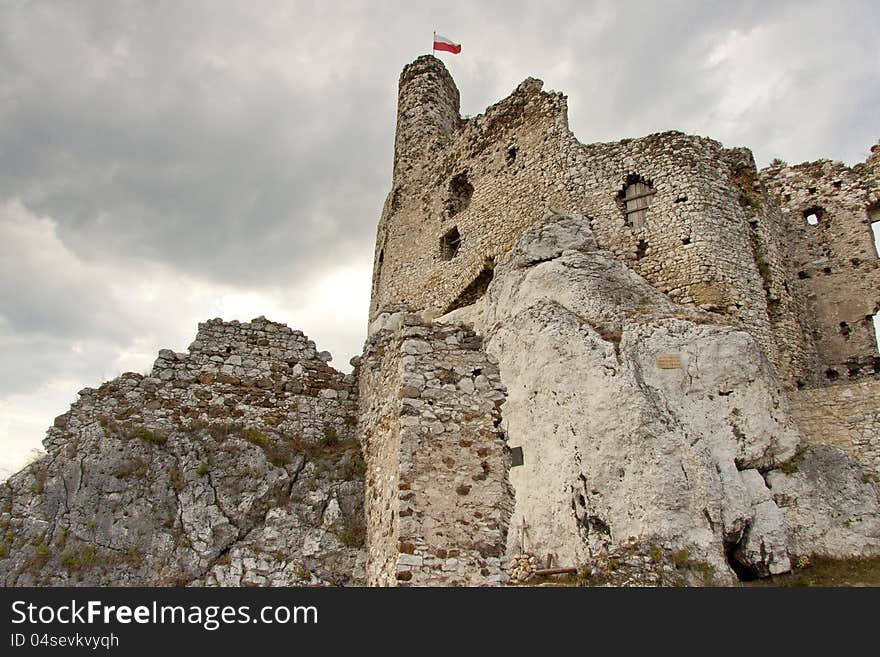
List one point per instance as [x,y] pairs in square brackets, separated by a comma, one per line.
[433,41]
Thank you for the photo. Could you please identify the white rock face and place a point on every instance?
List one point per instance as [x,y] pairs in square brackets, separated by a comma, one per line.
[637,417]
[831,508]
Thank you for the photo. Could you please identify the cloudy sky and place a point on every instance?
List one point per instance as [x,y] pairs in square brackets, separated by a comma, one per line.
[162,163]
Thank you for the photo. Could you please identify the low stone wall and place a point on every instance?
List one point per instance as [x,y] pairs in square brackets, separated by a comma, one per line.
[438,498]
[847,416]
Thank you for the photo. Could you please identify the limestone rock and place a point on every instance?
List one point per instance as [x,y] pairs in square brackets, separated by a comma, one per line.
[174,480]
[637,417]
[832,509]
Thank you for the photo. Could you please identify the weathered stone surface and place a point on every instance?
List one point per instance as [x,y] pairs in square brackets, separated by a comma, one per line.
[830,506]
[438,499]
[173,479]
[617,446]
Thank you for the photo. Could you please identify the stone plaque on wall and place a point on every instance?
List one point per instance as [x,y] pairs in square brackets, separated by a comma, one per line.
[669,361]
[516,456]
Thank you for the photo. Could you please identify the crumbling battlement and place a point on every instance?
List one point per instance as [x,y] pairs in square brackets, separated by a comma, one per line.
[258,373]
[690,216]
[438,501]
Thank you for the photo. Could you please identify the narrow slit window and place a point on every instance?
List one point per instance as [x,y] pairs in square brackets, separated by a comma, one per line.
[873,321]
[875,230]
[637,196]
[449,244]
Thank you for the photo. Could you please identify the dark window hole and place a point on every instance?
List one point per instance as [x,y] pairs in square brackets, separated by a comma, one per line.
[449,244]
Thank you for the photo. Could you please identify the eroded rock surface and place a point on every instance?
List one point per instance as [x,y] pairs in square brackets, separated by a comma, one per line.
[641,418]
[233,464]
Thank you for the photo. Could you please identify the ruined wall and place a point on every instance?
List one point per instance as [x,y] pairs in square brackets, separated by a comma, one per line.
[247,373]
[843,415]
[233,464]
[438,499]
[828,209]
[465,190]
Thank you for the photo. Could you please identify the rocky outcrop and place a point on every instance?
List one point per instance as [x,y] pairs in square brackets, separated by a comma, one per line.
[233,464]
[640,418]
[831,507]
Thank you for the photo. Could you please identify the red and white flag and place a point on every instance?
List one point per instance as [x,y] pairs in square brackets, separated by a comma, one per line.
[442,43]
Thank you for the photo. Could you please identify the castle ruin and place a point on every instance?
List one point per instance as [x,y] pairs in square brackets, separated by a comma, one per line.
[644,359]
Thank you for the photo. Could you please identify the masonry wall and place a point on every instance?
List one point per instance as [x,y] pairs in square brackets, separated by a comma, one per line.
[710,238]
[245,373]
[438,498]
[845,415]
[836,265]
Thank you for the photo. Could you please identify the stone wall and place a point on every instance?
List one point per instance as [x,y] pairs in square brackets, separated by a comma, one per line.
[827,208]
[246,373]
[464,190]
[438,499]
[844,415]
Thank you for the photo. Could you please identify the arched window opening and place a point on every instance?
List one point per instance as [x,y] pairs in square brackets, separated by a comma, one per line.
[460,193]
[449,244]
[636,196]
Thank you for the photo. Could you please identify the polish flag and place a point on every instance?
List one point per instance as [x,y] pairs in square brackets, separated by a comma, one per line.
[442,43]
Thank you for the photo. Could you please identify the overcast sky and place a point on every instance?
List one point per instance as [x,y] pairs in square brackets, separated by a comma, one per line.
[162,163]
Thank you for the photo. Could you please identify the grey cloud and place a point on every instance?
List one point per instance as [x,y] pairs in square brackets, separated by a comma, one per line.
[249,144]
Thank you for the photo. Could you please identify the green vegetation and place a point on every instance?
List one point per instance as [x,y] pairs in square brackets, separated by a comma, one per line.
[142,433]
[256,437]
[820,571]
[330,437]
[133,555]
[680,558]
[349,536]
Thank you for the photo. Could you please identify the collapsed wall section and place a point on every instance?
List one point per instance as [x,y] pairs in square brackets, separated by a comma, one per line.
[438,499]
[828,209]
[257,372]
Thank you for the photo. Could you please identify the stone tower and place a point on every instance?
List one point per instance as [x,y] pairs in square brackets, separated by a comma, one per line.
[689,215]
